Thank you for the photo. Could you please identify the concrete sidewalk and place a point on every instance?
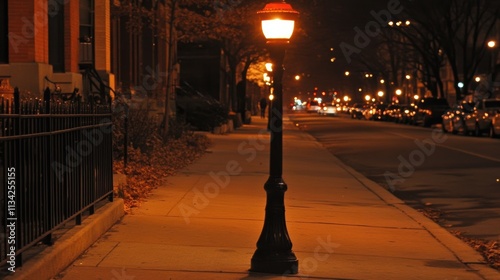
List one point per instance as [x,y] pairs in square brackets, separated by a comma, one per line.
[204,222]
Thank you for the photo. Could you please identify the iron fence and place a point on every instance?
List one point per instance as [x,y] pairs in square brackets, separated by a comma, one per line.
[55,166]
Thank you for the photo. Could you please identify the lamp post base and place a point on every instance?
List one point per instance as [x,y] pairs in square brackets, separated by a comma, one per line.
[274,249]
[274,262]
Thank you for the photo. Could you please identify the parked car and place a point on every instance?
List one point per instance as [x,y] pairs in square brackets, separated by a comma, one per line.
[375,112]
[453,120]
[357,110]
[480,119]
[313,106]
[430,110]
[344,108]
[368,112]
[495,125]
[328,110]
[393,112]
[407,114]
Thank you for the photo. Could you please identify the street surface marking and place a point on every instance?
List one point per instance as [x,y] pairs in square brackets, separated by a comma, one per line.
[453,149]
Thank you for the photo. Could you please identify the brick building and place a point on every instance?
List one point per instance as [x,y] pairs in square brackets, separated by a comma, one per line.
[56,39]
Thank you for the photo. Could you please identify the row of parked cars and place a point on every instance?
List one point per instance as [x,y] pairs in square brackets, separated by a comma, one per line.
[466,117]
[476,119]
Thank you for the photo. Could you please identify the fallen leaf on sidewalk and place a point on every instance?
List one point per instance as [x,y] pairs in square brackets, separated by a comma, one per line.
[145,172]
[490,250]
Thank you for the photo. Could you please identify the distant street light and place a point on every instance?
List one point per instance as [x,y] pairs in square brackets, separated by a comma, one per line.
[367,97]
[399,92]
[274,248]
[380,94]
[492,44]
[398,23]
[347,73]
[267,79]
[269,67]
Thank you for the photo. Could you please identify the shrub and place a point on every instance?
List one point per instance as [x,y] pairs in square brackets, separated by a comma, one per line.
[141,129]
[203,118]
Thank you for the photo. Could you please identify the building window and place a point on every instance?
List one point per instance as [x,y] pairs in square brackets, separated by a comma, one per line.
[4,31]
[56,35]
[86,32]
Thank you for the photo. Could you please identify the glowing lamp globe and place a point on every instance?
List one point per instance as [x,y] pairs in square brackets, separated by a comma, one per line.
[269,67]
[278,21]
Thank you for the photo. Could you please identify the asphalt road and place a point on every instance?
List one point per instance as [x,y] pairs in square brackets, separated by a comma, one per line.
[456,175]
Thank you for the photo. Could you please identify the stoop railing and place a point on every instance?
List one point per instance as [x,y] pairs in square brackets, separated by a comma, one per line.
[55,166]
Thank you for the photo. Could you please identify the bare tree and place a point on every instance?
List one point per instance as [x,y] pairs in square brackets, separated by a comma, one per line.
[422,52]
[456,28]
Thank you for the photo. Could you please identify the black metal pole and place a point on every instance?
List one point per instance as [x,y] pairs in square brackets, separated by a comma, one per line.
[274,248]
[270,92]
[492,71]
[269,109]
[125,138]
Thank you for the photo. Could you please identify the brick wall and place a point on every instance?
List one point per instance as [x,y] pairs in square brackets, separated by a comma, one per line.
[102,34]
[71,35]
[28,31]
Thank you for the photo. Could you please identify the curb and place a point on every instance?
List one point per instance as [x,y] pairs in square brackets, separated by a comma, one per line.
[71,244]
[461,250]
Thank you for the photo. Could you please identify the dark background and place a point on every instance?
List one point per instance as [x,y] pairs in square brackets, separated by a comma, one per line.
[323,25]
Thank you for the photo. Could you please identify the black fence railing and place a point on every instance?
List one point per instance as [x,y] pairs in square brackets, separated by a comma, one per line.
[55,166]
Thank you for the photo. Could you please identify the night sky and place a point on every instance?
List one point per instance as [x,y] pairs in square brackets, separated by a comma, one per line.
[325,24]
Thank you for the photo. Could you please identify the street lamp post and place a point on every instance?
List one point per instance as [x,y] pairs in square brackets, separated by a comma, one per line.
[398,94]
[380,95]
[274,248]
[492,45]
[407,87]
